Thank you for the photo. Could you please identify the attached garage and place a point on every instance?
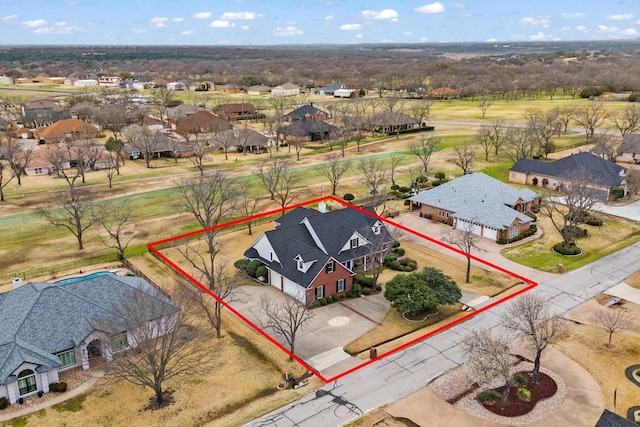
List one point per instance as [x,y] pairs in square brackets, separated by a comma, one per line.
[465,226]
[490,233]
[290,288]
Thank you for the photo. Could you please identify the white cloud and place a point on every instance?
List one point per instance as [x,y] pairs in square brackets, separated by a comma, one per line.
[620,17]
[159,22]
[607,30]
[359,36]
[385,14]
[629,32]
[565,28]
[536,20]
[35,23]
[581,28]
[407,33]
[573,15]
[139,30]
[244,27]
[218,23]
[458,6]
[187,32]
[240,16]
[9,18]
[58,28]
[329,17]
[351,27]
[491,40]
[178,19]
[436,7]
[201,15]
[539,36]
[287,31]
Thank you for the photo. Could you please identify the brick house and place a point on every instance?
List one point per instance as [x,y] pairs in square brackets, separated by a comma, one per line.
[314,254]
[480,204]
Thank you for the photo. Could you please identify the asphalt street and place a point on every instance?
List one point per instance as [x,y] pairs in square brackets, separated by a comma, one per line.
[400,374]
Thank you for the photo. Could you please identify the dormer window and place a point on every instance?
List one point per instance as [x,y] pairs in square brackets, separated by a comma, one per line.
[300,262]
[376,228]
[330,267]
[354,242]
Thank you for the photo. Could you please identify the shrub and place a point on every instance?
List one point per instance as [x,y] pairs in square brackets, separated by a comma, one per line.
[590,91]
[3,403]
[395,187]
[531,215]
[348,197]
[575,231]
[412,264]
[379,288]
[616,192]
[323,301]
[572,250]
[399,251]
[534,181]
[421,179]
[404,189]
[252,268]
[357,289]
[407,202]
[261,272]
[634,97]
[488,396]
[62,387]
[396,244]
[545,182]
[523,394]
[241,264]
[395,265]
[363,281]
[335,298]
[440,175]
[366,291]
[388,260]
[519,379]
[596,222]
[435,183]
[53,387]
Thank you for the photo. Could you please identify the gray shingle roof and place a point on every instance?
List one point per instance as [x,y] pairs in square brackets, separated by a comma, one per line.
[478,198]
[334,229]
[603,171]
[305,127]
[303,111]
[630,143]
[40,319]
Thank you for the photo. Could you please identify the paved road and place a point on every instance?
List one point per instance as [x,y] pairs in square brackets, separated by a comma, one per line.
[405,372]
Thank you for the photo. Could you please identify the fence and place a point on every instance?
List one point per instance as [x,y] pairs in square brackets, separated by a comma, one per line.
[54,270]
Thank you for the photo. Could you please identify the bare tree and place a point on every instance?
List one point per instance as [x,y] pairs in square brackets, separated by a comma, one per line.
[613,320]
[394,163]
[333,169]
[530,315]
[579,194]
[627,120]
[591,117]
[112,117]
[144,140]
[16,155]
[374,176]
[278,105]
[200,148]
[421,109]
[279,179]
[565,115]
[484,105]
[285,318]
[463,157]
[541,126]
[115,219]
[394,107]
[166,342]
[519,144]
[72,210]
[633,181]
[423,148]
[464,239]
[488,357]
[248,204]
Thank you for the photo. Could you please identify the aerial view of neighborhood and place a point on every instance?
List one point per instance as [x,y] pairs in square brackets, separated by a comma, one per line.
[322,214]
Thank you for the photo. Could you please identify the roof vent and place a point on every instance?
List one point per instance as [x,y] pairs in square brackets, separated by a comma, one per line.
[322,207]
[17,282]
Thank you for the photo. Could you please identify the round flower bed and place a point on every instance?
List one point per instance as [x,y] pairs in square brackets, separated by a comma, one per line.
[515,406]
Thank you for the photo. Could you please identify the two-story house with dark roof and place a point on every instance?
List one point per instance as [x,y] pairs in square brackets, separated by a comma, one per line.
[314,254]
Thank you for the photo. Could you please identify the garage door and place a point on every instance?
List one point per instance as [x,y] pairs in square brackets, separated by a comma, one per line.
[490,233]
[294,290]
[468,226]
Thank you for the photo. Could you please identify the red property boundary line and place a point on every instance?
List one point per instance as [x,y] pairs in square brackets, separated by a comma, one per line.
[152,247]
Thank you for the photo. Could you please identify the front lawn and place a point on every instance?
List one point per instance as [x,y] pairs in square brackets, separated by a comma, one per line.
[615,234]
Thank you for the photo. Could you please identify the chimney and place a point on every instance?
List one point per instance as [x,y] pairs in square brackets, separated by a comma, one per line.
[322,207]
[17,282]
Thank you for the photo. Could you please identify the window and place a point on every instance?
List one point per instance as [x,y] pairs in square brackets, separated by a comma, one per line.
[320,292]
[330,267]
[513,174]
[348,264]
[119,342]
[27,382]
[67,358]
[513,232]
[340,285]
[38,171]
[354,242]
[376,228]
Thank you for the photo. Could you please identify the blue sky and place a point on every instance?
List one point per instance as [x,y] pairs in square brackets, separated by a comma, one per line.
[272,22]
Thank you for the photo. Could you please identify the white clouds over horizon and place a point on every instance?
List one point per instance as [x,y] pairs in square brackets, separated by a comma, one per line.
[201,15]
[573,15]
[159,22]
[219,23]
[350,27]
[9,18]
[386,14]
[620,17]
[35,23]
[432,8]
[289,31]
[536,20]
[240,16]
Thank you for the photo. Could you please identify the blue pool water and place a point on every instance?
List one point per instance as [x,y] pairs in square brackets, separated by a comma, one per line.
[80,279]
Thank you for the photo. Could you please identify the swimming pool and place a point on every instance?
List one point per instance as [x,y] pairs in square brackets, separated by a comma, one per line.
[82,278]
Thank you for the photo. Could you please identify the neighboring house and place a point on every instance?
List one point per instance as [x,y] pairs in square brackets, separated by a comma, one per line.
[228,88]
[314,254]
[559,173]
[237,111]
[46,329]
[345,93]
[85,83]
[604,151]
[390,123]
[179,85]
[5,80]
[287,89]
[163,148]
[329,89]
[66,130]
[629,150]
[481,204]
[182,110]
[258,90]
[307,111]
[40,163]
[43,113]
[109,81]
[152,123]
[307,130]
[245,140]
[200,122]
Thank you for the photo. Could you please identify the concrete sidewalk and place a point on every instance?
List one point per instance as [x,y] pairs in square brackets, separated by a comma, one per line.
[582,405]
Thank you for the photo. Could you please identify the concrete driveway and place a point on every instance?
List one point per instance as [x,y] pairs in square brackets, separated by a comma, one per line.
[320,343]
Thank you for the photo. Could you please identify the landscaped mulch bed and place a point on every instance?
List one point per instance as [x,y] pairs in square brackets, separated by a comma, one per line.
[545,388]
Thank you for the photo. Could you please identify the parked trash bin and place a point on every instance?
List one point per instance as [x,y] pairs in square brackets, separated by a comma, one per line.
[373,353]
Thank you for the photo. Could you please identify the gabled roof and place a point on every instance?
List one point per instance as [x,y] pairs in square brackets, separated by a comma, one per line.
[387,118]
[331,87]
[259,88]
[630,143]
[478,198]
[240,108]
[305,126]
[287,86]
[296,234]
[303,111]
[41,319]
[603,171]
[62,128]
[240,137]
